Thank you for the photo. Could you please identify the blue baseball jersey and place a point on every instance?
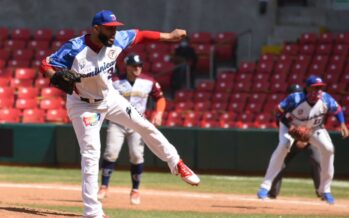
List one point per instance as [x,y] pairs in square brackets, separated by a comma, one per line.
[95,66]
[300,112]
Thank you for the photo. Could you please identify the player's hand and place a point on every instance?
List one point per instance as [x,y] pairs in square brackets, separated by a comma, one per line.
[344,130]
[157,118]
[174,36]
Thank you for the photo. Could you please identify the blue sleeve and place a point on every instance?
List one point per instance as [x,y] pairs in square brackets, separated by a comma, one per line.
[64,57]
[332,105]
[291,101]
[124,38]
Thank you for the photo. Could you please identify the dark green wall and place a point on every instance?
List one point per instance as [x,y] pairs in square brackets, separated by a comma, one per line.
[235,150]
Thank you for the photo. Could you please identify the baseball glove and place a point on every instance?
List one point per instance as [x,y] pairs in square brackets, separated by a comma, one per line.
[65,80]
[300,133]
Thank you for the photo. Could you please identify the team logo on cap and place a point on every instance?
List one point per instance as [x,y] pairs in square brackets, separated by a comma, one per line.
[113,18]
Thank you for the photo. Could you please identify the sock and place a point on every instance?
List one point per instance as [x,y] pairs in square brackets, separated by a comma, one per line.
[136,173]
[107,170]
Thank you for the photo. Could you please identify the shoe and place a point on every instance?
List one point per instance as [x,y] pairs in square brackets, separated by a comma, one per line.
[187,174]
[328,198]
[102,193]
[262,193]
[135,197]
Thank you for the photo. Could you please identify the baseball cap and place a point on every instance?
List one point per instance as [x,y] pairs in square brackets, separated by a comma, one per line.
[314,81]
[134,60]
[105,18]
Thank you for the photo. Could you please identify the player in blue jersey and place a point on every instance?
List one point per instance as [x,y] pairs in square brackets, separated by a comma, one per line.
[310,109]
[93,57]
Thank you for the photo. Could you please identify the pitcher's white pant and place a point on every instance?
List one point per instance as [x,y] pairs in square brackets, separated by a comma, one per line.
[324,152]
[87,120]
[116,135]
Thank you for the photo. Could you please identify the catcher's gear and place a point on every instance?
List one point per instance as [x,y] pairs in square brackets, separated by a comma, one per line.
[65,80]
[300,133]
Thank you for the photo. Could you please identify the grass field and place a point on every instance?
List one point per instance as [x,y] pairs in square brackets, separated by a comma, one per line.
[164,181]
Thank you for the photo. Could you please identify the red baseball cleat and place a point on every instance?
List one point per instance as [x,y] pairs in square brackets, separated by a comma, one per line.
[187,174]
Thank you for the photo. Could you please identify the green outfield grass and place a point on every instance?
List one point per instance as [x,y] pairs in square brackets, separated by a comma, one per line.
[166,181]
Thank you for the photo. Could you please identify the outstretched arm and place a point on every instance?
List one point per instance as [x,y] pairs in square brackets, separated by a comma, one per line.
[146,35]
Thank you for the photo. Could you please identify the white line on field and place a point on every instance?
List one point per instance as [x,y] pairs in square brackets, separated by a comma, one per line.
[226,197]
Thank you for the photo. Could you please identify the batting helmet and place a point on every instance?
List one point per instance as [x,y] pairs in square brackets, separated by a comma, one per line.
[133,60]
[294,88]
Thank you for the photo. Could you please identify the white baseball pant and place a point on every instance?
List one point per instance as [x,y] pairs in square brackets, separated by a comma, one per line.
[87,119]
[323,152]
[116,135]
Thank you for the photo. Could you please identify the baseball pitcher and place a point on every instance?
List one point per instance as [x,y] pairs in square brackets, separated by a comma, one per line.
[83,68]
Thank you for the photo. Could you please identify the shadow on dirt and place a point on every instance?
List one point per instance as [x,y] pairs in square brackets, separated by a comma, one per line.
[39,212]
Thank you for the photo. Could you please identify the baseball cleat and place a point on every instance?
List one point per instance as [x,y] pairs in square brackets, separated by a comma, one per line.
[328,198]
[135,197]
[102,193]
[187,174]
[262,193]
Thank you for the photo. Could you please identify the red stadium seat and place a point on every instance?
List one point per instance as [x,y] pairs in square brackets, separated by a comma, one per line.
[33,116]
[161,67]
[27,92]
[9,115]
[42,82]
[190,123]
[220,97]
[6,92]
[38,45]
[283,67]
[26,103]
[307,49]
[219,106]
[242,86]
[265,67]
[157,56]
[51,103]
[184,106]
[247,67]
[225,38]
[51,92]
[4,81]
[202,96]
[183,95]
[15,44]
[201,37]
[245,117]
[341,49]
[23,54]
[226,75]
[57,44]
[191,115]
[290,49]
[64,34]
[326,38]
[202,106]
[57,116]
[238,97]
[18,63]
[342,38]
[5,54]
[209,124]
[224,86]
[224,52]
[16,83]
[254,107]
[237,107]
[41,54]
[25,73]
[277,77]
[228,116]
[173,123]
[308,38]
[7,102]
[43,34]
[280,86]
[21,34]
[209,116]
[205,85]
[4,33]
[161,47]
[324,49]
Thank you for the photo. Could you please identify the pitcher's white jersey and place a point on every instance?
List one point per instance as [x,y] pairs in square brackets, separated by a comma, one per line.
[139,92]
[300,112]
[78,54]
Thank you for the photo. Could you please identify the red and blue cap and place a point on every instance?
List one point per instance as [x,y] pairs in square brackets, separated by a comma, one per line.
[314,81]
[105,18]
